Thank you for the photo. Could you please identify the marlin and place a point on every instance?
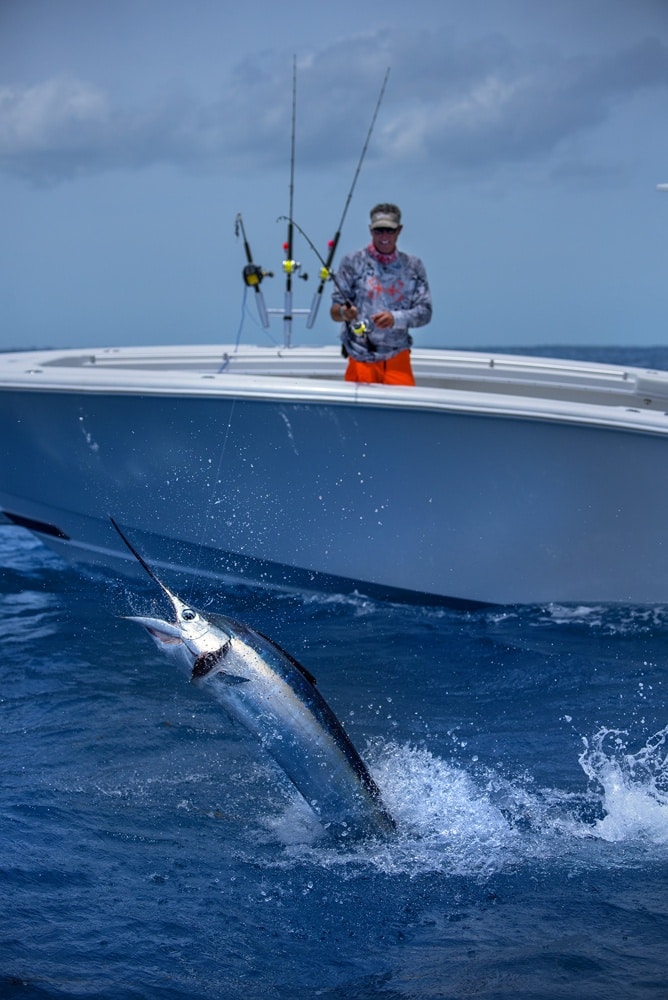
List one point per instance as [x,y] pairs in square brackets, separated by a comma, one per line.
[276,699]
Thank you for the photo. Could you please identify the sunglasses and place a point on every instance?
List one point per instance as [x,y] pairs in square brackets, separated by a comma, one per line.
[383,229]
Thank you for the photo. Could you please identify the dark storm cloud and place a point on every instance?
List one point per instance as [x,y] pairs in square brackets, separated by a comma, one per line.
[473,105]
[519,106]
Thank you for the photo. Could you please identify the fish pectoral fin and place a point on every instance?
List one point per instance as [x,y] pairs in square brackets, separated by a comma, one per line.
[231,679]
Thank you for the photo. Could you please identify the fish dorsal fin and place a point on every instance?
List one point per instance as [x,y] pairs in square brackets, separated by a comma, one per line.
[295,663]
[241,628]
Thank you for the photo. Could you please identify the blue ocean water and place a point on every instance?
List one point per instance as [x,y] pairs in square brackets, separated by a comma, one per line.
[148,848]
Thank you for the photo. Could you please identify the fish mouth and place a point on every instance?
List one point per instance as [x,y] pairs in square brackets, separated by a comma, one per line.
[163,632]
[166,634]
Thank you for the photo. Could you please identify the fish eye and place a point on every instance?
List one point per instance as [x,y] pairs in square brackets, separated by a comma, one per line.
[188,615]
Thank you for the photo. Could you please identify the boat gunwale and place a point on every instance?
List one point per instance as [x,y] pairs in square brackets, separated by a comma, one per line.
[62,371]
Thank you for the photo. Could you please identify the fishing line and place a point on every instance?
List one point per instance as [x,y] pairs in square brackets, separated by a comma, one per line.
[208,516]
[315,250]
[245,312]
[226,357]
[253,276]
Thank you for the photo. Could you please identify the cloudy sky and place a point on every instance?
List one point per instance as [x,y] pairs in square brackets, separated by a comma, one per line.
[523,139]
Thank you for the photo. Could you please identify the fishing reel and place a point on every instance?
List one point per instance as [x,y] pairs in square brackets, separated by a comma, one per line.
[358,328]
[253,275]
[291,267]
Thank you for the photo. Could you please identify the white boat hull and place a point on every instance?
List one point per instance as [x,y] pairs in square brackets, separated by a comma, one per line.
[446,493]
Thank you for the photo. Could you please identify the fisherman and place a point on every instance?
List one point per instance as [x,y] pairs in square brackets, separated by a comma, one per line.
[380,294]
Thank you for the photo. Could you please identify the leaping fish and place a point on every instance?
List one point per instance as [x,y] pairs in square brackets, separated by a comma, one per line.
[276,699]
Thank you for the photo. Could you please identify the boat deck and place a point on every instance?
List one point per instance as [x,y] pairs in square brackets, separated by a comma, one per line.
[458,371]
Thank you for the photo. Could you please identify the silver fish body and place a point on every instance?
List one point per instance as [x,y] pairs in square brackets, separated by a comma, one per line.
[274,698]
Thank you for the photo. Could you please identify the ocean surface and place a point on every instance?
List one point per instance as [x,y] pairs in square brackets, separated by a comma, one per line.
[149,849]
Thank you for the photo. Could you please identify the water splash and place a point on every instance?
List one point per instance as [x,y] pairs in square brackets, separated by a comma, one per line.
[633,786]
[477,823]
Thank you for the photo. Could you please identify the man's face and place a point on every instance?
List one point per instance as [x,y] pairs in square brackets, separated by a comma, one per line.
[384,239]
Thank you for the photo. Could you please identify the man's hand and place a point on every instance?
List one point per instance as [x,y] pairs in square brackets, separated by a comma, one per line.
[383,320]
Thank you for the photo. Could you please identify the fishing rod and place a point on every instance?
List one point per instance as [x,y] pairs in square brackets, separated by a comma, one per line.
[359,329]
[290,266]
[252,272]
[325,272]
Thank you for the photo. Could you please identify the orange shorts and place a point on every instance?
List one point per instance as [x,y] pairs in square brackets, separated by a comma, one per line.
[392,371]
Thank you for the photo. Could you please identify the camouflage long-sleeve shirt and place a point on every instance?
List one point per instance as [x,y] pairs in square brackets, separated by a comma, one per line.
[374,285]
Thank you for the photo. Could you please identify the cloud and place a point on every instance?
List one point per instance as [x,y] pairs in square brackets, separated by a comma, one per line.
[50,119]
[460,106]
[520,109]
[65,128]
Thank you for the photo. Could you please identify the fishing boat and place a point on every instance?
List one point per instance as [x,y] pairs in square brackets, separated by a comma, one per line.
[497,479]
